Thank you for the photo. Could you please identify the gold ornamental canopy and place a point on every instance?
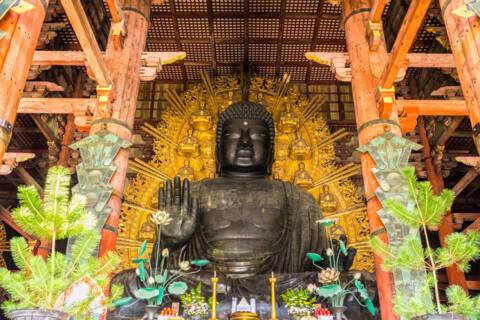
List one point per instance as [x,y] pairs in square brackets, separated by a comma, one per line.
[184,145]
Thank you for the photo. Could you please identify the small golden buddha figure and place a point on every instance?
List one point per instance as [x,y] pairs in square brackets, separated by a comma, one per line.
[189,146]
[302,177]
[289,121]
[299,148]
[147,231]
[201,118]
[186,172]
[328,203]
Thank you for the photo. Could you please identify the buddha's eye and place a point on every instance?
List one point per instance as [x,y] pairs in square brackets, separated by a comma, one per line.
[258,134]
[231,134]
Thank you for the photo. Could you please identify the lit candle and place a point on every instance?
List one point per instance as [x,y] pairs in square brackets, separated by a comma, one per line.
[273,280]
[214,281]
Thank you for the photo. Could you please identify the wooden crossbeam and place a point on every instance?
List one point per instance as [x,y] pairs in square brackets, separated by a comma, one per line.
[474,226]
[84,32]
[407,34]
[76,106]
[79,58]
[28,179]
[434,107]
[44,128]
[6,217]
[471,175]
[59,58]
[413,60]
[449,131]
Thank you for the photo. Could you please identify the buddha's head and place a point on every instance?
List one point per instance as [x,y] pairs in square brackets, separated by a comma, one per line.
[245,140]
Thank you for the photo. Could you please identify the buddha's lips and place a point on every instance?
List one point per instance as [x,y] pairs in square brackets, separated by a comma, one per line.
[244,153]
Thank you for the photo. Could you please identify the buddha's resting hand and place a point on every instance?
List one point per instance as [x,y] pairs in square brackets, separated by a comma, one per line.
[182,209]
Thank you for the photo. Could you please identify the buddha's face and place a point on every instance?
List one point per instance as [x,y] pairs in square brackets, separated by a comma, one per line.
[245,147]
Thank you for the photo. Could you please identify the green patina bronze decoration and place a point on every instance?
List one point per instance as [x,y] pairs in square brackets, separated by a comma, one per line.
[95,171]
[391,153]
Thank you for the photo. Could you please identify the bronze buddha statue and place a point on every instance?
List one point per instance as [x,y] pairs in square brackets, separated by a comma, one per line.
[246,224]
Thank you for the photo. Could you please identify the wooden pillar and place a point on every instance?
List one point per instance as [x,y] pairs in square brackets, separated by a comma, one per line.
[464,36]
[453,274]
[7,25]
[367,67]
[124,66]
[16,63]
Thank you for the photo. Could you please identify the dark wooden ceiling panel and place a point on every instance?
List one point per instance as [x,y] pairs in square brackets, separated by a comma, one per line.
[298,73]
[302,6]
[262,52]
[170,72]
[219,6]
[192,28]
[263,28]
[161,28]
[230,52]
[228,28]
[321,74]
[330,9]
[298,28]
[329,29]
[198,52]
[191,6]
[294,52]
[265,6]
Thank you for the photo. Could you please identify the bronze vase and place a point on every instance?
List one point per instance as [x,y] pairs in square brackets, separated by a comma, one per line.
[151,312]
[338,312]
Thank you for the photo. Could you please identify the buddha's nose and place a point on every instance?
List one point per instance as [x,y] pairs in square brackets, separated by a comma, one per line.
[245,140]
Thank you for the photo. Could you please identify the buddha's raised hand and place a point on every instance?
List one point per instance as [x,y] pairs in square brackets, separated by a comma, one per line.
[182,209]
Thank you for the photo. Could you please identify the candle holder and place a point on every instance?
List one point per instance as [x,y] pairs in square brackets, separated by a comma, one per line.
[273,280]
[214,281]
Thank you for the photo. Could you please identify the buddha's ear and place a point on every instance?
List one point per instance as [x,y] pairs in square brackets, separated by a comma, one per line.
[217,159]
[271,159]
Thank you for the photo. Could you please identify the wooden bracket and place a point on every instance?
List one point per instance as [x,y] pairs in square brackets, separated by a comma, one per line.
[105,98]
[11,160]
[385,99]
[408,118]
[374,34]
[152,63]
[118,34]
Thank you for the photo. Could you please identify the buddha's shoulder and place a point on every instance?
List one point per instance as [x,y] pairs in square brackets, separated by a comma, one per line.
[296,192]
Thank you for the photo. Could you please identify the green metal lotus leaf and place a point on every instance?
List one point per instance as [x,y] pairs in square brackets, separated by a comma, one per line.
[161,292]
[139,260]
[122,302]
[177,288]
[146,293]
[161,278]
[143,273]
[370,306]
[142,249]
[329,291]
[315,257]
[326,222]
[364,295]
[200,263]
[343,249]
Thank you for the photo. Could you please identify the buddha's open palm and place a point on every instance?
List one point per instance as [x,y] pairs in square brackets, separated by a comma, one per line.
[177,202]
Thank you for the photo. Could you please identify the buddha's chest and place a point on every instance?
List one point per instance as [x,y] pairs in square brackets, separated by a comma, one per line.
[243,208]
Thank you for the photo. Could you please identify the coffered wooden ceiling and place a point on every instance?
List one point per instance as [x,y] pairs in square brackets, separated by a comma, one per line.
[272,34]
